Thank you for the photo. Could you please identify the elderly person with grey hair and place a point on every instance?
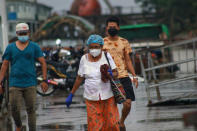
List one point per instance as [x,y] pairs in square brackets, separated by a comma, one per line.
[102,111]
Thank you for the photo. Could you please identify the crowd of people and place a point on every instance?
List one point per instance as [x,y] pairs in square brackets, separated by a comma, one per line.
[102,111]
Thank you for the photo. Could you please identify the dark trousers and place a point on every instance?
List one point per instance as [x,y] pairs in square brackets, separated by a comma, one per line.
[16,97]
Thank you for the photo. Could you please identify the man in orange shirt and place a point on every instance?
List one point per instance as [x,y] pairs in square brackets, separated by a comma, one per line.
[120,49]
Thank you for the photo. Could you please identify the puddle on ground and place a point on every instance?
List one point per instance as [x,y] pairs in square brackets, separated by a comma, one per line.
[58,127]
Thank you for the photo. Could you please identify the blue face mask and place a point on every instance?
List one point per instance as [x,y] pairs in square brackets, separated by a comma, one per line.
[23,39]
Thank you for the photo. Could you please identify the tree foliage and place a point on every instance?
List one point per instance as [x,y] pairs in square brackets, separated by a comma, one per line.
[179,15]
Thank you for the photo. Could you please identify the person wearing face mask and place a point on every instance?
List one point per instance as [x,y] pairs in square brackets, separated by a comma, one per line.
[120,49]
[102,111]
[22,55]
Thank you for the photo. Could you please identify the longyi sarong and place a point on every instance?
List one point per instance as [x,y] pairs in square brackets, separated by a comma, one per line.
[102,115]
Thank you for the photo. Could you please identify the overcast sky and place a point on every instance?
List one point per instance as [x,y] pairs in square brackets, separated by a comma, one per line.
[66,4]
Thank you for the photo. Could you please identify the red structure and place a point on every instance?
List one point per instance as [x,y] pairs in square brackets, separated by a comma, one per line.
[86,7]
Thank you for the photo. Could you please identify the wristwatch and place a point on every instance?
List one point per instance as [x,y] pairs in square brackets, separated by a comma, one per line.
[135,77]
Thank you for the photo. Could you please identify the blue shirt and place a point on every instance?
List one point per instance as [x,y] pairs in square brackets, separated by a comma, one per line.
[23,72]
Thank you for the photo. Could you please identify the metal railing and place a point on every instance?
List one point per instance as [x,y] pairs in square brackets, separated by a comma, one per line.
[181,56]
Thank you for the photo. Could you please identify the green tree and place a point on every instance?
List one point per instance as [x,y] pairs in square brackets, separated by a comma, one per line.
[179,15]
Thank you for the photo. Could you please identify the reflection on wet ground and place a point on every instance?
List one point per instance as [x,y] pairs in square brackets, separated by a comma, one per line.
[52,114]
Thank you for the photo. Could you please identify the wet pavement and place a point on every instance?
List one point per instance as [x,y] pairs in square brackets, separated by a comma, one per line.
[52,114]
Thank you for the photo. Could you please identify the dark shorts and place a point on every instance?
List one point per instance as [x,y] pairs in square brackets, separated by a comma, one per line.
[126,82]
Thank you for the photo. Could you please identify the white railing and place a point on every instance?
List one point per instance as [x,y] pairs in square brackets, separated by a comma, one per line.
[176,55]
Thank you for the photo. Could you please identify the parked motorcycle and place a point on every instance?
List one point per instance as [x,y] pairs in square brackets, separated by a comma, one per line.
[62,67]
[59,76]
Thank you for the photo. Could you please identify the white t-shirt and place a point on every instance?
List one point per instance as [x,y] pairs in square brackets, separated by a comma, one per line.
[94,87]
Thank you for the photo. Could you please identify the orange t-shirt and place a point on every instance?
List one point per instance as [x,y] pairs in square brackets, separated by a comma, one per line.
[117,49]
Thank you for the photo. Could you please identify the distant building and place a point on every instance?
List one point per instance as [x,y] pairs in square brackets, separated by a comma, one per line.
[28,11]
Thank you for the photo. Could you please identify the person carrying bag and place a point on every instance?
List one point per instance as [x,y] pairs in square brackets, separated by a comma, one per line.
[116,86]
[102,110]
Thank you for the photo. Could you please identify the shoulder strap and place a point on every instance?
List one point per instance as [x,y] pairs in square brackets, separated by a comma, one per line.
[86,56]
[107,59]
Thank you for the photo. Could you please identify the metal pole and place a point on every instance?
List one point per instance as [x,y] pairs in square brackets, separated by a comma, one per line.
[149,57]
[155,78]
[149,65]
[186,47]
[179,56]
[145,80]
[194,54]
[109,6]
[4,24]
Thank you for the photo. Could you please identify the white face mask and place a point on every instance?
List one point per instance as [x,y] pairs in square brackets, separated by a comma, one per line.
[95,52]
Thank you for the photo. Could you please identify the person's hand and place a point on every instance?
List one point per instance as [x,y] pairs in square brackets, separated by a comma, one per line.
[44,86]
[135,81]
[110,72]
[69,99]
